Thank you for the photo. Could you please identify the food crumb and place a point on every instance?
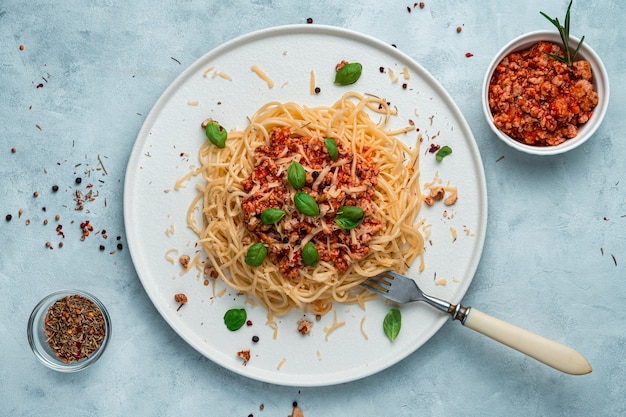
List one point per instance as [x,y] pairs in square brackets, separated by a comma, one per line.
[304,326]
[180,298]
[245,355]
[184,260]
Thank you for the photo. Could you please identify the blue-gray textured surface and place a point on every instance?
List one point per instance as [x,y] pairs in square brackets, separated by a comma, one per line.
[74,99]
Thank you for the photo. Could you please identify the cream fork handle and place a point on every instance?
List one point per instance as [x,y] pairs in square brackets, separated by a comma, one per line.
[554,354]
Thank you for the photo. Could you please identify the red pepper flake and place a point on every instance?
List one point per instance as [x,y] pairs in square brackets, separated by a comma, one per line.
[40,85]
[86,227]
[469,55]
[408,9]
[434,148]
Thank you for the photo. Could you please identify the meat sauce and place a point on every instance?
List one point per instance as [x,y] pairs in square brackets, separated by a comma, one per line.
[538,100]
[331,183]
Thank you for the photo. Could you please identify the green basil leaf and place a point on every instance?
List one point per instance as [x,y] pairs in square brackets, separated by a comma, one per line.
[348,74]
[349,217]
[392,324]
[216,134]
[256,254]
[235,318]
[443,152]
[296,175]
[310,255]
[271,215]
[331,146]
[306,204]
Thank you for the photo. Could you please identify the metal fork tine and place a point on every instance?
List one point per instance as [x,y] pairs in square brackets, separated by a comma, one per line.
[374,286]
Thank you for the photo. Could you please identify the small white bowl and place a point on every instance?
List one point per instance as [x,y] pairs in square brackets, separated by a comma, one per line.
[38,340]
[600,82]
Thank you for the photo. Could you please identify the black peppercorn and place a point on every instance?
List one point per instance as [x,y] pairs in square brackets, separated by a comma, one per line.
[315,174]
[9,217]
[55,188]
[79,180]
[255,339]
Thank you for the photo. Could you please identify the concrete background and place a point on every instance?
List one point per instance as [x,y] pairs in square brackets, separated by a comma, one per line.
[73,100]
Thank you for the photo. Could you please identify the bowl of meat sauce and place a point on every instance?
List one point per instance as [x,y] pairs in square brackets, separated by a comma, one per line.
[540,105]
[69,330]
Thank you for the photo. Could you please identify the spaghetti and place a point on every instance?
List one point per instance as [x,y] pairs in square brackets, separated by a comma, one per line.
[394,200]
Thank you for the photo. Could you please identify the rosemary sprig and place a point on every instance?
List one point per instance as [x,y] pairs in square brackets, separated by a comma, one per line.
[568,57]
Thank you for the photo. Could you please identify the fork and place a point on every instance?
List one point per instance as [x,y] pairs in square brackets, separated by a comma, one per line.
[401,289]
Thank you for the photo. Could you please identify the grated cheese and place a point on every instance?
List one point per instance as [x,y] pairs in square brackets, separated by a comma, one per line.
[392,76]
[168,257]
[262,75]
[281,363]
[335,325]
[363,329]
[312,83]
[207,71]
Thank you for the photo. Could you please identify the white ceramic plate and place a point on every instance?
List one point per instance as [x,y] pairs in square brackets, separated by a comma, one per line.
[166,148]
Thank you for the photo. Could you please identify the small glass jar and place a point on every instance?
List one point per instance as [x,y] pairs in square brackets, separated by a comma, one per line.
[38,336]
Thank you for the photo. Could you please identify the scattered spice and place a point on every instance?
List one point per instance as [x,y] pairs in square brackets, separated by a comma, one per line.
[55,188]
[459,29]
[13,150]
[8,217]
[255,339]
[35,194]
[422,5]
[21,47]
[309,20]
[78,180]
[317,90]
[469,55]
[74,327]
